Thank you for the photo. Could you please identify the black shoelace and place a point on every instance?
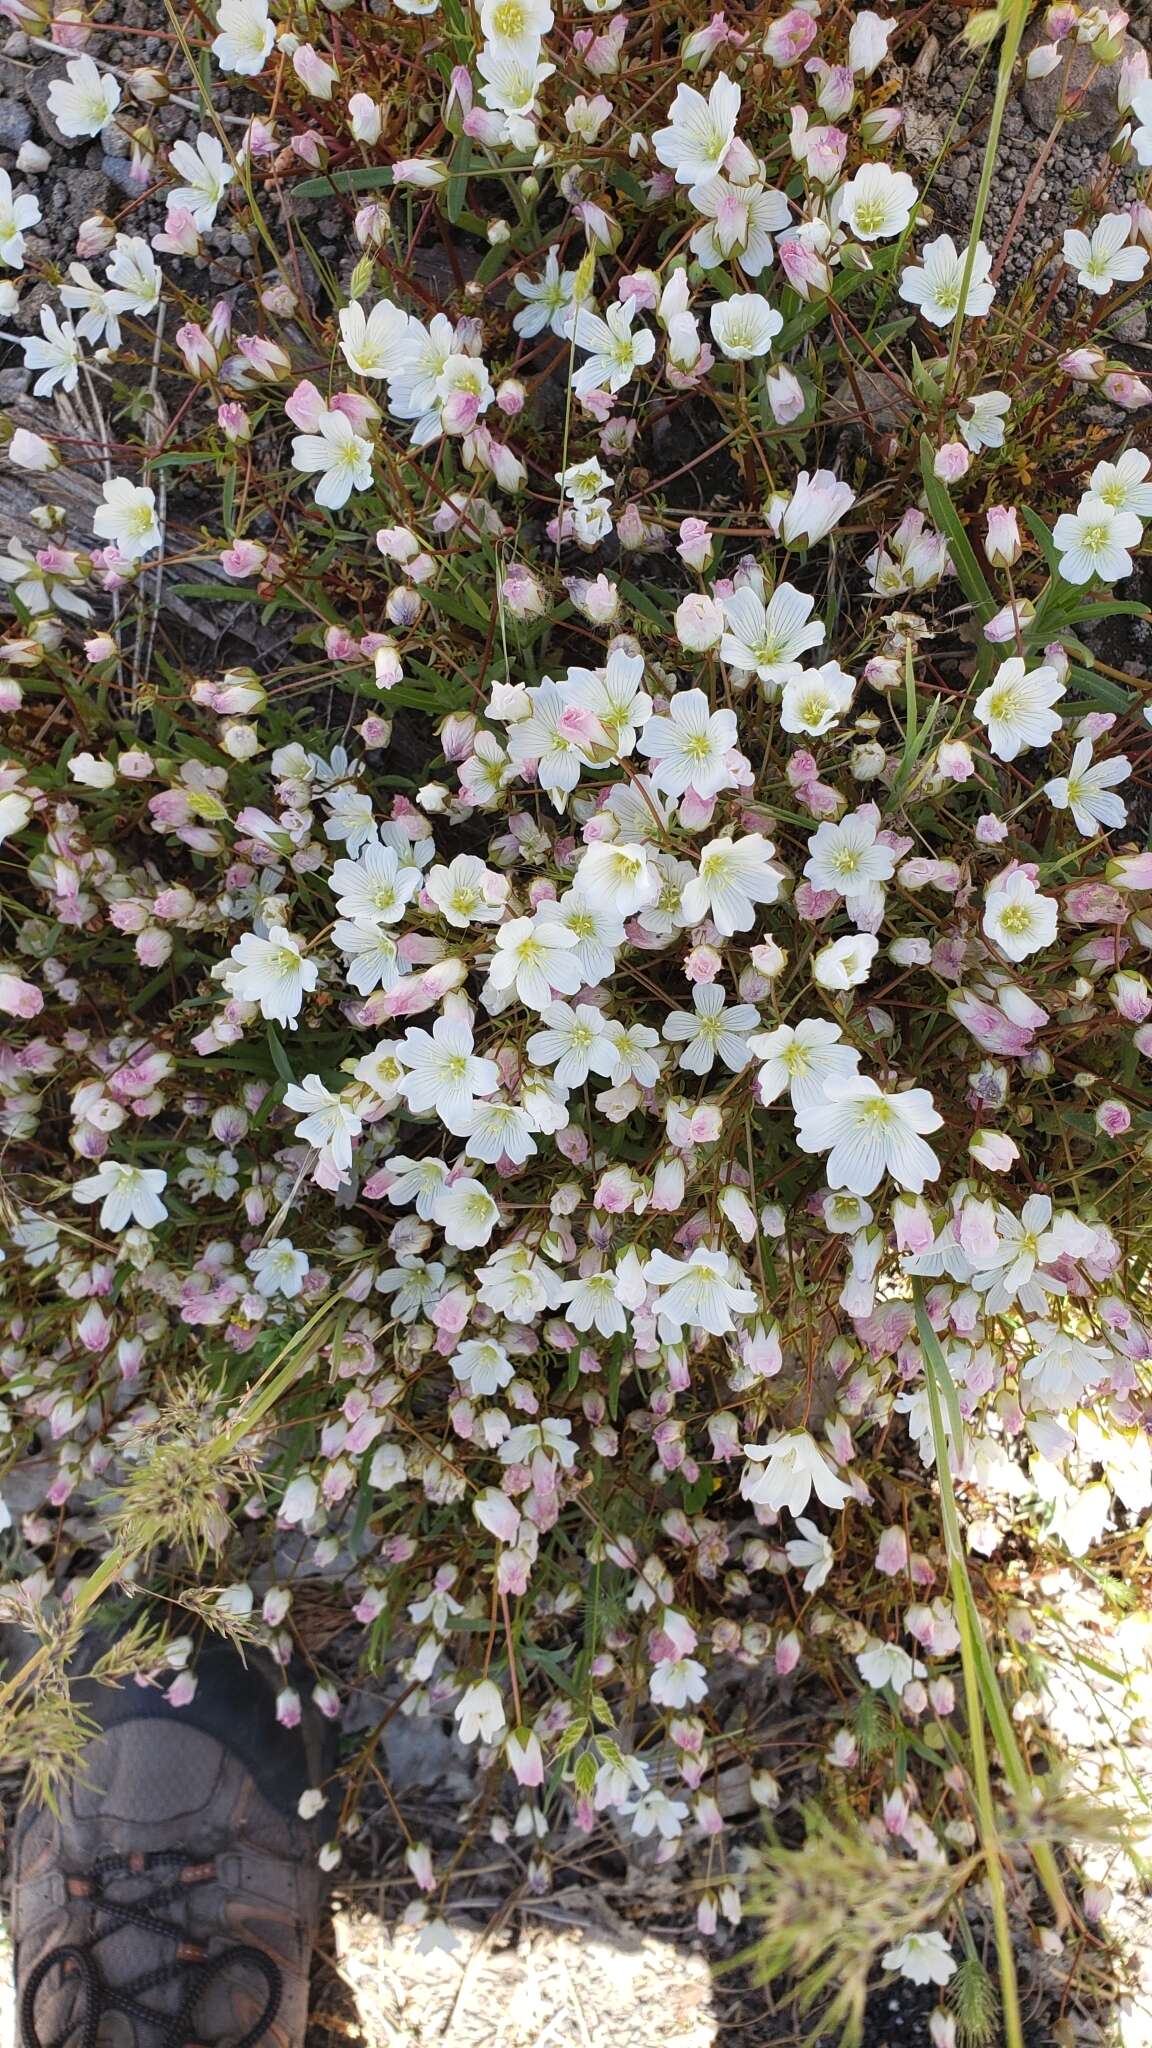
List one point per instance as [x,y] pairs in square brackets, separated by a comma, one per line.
[190,1964]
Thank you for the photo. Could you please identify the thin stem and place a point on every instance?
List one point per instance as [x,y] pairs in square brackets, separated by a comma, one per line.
[1014,30]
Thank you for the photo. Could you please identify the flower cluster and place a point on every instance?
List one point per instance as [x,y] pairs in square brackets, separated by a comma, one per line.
[653,949]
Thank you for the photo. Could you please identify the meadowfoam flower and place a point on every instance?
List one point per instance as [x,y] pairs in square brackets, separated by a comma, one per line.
[16,214]
[689,747]
[739,221]
[732,878]
[1105,257]
[1017,918]
[744,326]
[327,1121]
[574,1043]
[1123,484]
[804,1058]
[769,639]
[620,874]
[923,1958]
[712,1031]
[515,27]
[698,1292]
[272,973]
[1094,541]
[867,1134]
[615,352]
[550,300]
[702,132]
[84,100]
[810,1553]
[876,204]
[850,860]
[55,352]
[207,175]
[1086,791]
[338,455]
[375,344]
[127,1194]
[245,36]
[374,888]
[982,420]
[814,701]
[535,957]
[817,504]
[845,963]
[1017,708]
[935,284]
[785,1473]
[278,1268]
[127,518]
[443,1073]
[467,891]
[466,1213]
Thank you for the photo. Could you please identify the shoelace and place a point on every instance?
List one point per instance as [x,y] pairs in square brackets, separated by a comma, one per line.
[191,1961]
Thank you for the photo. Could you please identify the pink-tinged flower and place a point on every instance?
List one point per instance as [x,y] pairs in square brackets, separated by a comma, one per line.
[789,37]
[1002,542]
[19,998]
[952,462]
[234,422]
[1113,1118]
[243,558]
[1131,393]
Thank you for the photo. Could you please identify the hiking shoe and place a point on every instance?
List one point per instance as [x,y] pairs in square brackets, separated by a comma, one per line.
[174,1898]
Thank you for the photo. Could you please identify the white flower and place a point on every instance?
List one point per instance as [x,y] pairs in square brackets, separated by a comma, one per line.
[374,888]
[467,891]
[697,1292]
[615,696]
[924,1958]
[84,100]
[845,963]
[740,220]
[803,1058]
[744,326]
[127,1194]
[326,1120]
[57,355]
[279,1269]
[1107,256]
[15,216]
[867,1134]
[875,204]
[482,1365]
[769,639]
[271,973]
[246,36]
[615,352]
[884,1664]
[690,745]
[536,957]
[1017,708]
[127,518]
[444,1074]
[1122,484]
[791,1469]
[817,504]
[515,26]
[711,1032]
[480,1713]
[1086,791]
[338,455]
[1017,918]
[549,301]
[375,344]
[207,176]
[702,131]
[592,1302]
[574,1043]
[733,876]
[678,1682]
[15,811]
[812,1552]
[816,699]
[616,872]
[466,1213]
[499,1131]
[934,284]
[1094,542]
[982,418]
[655,1812]
[850,860]
[136,276]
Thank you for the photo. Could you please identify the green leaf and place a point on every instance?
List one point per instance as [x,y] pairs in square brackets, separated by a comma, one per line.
[280,1059]
[968,571]
[375,178]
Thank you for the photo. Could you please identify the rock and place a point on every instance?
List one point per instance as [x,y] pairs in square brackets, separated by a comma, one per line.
[1087,88]
[15,124]
[881,401]
[118,171]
